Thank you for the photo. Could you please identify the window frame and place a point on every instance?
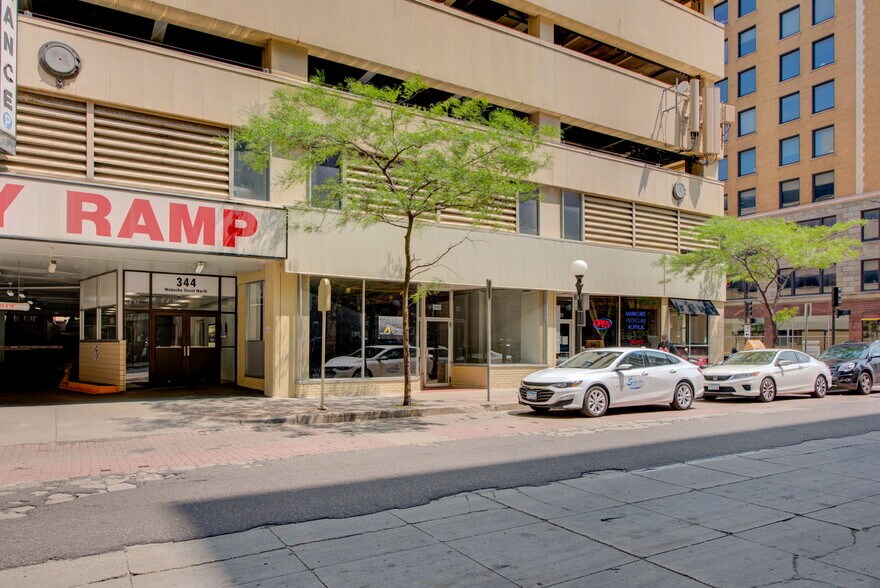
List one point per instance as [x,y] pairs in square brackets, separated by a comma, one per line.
[726,5]
[739,41]
[796,7]
[739,127]
[833,51]
[781,98]
[723,86]
[833,96]
[739,85]
[781,191]
[739,8]
[537,204]
[833,13]
[875,220]
[562,215]
[233,173]
[739,156]
[782,58]
[833,186]
[862,275]
[726,174]
[782,141]
[819,130]
[739,201]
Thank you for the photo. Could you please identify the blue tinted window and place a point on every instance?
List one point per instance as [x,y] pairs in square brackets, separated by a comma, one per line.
[823,52]
[572,216]
[725,51]
[790,65]
[790,22]
[823,186]
[822,10]
[823,96]
[723,86]
[746,202]
[746,7]
[823,141]
[721,12]
[746,122]
[748,41]
[790,150]
[790,107]
[746,82]
[746,162]
[789,193]
[722,170]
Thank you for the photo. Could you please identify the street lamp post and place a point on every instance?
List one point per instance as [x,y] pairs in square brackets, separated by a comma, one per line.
[579,269]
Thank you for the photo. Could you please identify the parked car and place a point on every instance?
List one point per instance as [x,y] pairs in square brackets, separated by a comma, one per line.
[854,366]
[598,379]
[381,361]
[766,373]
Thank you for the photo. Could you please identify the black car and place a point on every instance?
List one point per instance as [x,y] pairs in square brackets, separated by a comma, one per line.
[854,366]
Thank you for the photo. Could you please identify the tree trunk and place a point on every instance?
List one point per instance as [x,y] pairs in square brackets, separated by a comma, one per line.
[773,332]
[407,385]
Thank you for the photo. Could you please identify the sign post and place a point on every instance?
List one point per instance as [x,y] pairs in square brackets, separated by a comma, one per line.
[488,340]
[323,306]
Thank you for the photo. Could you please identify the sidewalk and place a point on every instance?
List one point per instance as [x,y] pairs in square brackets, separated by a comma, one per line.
[175,411]
[805,515]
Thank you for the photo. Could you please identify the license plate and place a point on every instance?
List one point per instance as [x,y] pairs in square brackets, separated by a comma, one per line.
[531,395]
[713,386]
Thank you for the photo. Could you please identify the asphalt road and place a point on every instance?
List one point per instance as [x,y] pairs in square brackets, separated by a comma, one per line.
[224,499]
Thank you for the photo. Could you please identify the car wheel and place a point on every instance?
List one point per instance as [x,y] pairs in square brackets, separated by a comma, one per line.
[683,397]
[540,409]
[820,388]
[866,383]
[356,374]
[767,391]
[709,397]
[595,402]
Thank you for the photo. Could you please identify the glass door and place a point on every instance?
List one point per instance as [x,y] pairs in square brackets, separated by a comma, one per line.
[564,328]
[185,348]
[437,351]
[202,352]
[169,348]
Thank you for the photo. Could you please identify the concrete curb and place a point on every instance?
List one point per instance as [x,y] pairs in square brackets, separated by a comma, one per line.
[316,418]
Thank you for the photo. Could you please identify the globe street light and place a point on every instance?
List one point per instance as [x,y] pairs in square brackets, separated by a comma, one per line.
[579,268]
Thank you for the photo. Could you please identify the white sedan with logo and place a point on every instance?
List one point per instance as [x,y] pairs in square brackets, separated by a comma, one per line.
[599,379]
[765,373]
[381,361]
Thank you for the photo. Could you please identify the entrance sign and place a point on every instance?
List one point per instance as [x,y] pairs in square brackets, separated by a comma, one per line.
[184,284]
[23,306]
[48,211]
[8,65]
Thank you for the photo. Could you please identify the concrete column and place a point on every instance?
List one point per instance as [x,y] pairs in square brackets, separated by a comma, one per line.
[542,27]
[716,335]
[286,59]
[280,318]
[541,119]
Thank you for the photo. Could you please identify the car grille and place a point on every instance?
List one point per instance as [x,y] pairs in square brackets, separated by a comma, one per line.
[716,378]
[543,395]
[720,389]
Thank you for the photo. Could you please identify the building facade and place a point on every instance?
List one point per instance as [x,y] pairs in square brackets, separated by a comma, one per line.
[803,76]
[129,225]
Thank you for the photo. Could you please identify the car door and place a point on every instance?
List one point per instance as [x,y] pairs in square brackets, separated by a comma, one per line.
[790,377]
[390,363]
[811,369]
[663,375]
[874,361]
[632,385]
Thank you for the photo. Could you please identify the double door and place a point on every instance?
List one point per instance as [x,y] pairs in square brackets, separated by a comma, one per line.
[185,348]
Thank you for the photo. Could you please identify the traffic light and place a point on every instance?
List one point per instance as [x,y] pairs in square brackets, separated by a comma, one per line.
[835,296]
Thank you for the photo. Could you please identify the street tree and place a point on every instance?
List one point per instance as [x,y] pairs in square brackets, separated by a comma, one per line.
[762,252]
[403,163]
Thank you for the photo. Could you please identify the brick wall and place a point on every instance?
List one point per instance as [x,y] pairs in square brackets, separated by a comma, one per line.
[503,376]
[354,387]
[102,362]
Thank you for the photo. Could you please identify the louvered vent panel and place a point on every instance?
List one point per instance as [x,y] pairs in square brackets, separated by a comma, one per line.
[656,228]
[608,221]
[160,153]
[690,221]
[51,137]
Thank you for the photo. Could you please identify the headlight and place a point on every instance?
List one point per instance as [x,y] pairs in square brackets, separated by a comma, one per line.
[574,384]
[847,367]
[743,376]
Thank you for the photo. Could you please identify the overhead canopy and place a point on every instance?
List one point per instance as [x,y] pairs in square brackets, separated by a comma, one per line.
[693,306]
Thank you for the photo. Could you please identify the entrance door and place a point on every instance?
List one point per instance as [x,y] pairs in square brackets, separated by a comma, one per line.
[437,351]
[185,348]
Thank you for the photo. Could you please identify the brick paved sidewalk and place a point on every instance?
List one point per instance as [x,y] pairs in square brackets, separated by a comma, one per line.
[805,515]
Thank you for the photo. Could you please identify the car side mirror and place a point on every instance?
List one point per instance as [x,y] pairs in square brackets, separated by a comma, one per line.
[783,362]
[623,367]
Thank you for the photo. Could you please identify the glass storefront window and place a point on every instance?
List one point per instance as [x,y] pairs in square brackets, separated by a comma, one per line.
[227,294]
[870,329]
[344,341]
[602,319]
[518,329]
[639,322]
[254,366]
[383,317]
[469,329]
[437,305]
[689,333]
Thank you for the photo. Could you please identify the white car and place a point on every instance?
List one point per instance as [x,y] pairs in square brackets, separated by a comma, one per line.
[598,379]
[381,361]
[766,373]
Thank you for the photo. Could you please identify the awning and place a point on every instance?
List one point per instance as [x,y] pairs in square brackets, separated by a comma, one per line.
[693,306]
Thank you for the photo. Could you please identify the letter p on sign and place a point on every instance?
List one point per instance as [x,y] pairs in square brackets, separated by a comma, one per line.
[324,295]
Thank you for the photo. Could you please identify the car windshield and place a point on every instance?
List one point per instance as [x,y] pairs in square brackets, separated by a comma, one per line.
[751,358]
[845,352]
[369,351]
[591,360]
